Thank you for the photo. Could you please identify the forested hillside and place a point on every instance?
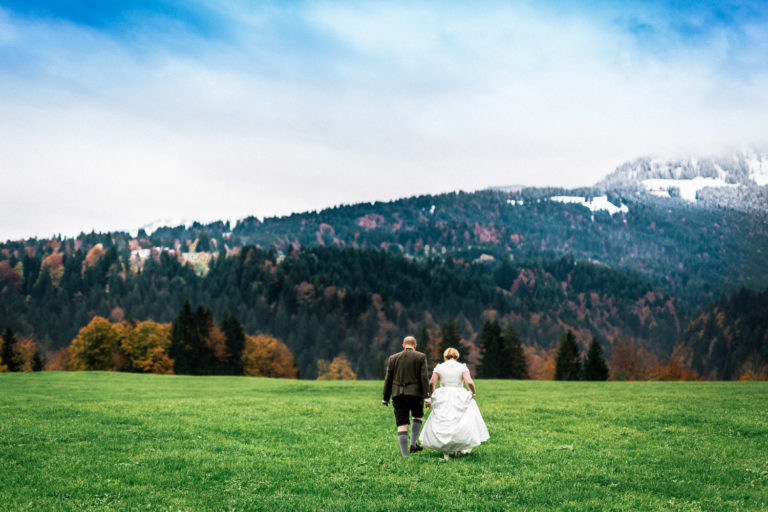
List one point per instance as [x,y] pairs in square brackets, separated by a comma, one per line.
[353,279]
[730,339]
[329,301]
[689,252]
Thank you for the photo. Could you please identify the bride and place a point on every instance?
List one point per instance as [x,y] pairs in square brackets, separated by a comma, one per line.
[455,424]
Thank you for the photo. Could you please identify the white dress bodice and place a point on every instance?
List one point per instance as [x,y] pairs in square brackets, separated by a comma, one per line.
[450,373]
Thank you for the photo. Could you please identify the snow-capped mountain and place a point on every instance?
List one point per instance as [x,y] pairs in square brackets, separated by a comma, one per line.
[738,181]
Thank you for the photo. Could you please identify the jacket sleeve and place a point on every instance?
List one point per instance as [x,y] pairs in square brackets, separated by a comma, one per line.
[424,378]
[388,377]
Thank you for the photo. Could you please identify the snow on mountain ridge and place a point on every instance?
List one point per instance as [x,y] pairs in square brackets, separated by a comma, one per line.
[738,181]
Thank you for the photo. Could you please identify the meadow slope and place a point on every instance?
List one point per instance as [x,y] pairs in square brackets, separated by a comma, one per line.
[110,441]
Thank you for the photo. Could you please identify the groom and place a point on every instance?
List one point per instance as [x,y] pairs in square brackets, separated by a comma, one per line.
[407,382]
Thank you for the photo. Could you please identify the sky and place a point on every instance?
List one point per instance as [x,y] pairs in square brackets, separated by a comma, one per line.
[116,114]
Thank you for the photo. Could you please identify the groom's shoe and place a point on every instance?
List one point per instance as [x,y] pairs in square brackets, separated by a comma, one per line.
[416,448]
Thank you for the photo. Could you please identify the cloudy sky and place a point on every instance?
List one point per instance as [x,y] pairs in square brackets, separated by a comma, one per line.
[115,114]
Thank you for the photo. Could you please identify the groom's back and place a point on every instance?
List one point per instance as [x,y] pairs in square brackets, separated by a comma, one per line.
[407,371]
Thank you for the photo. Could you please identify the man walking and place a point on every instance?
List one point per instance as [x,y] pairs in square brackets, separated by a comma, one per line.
[407,382]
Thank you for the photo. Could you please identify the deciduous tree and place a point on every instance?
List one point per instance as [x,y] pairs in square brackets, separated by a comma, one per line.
[266,356]
[338,369]
[146,346]
[96,345]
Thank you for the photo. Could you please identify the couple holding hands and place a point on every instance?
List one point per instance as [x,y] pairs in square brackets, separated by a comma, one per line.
[455,424]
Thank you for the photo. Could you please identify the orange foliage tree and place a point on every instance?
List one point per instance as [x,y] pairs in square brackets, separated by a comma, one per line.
[675,369]
[61,360]
[631,362]
[541,363]
[266,356]
[25,351]
[96,346]
[338,369]
[145,348]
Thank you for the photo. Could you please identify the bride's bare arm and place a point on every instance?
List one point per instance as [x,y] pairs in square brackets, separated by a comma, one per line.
[470,383]
[432,383]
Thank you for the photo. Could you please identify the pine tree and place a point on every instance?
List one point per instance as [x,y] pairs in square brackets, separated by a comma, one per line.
[492,351]
[451,337]
[424,344]
[37,362]
[515,363]
[202,361]
[567,360]
[8,351]
[595,367]
[235,336]
[181,334]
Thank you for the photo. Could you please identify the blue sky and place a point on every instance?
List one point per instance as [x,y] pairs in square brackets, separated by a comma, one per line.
[114,114]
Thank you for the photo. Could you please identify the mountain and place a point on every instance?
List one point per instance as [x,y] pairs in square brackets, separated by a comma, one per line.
[612,261]
[737,181]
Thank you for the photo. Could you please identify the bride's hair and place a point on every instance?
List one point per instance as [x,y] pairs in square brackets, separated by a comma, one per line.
[451,353]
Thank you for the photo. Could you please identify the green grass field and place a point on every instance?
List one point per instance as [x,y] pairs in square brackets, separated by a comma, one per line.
[106,441]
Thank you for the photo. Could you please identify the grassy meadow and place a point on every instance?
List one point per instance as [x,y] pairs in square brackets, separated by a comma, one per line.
[111,441]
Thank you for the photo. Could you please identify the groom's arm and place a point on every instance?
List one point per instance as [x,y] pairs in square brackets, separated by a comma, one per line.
[425,391]
[388,377]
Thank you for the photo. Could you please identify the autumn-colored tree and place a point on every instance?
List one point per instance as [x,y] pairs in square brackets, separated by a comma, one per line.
[217,353]
[94,254]
[9,275]
[96,345]
[25,352]
[146,346]
[61,360]
[266,356]
[630,362]
[541,363]
[338,369]
[675,369]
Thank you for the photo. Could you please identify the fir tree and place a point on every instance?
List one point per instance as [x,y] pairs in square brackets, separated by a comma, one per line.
[567,360]
[595,367]
[451,337]
[182,331]
[235,336]
[515,363]
[37,362]
[424,344]
[8,351]
[492,350]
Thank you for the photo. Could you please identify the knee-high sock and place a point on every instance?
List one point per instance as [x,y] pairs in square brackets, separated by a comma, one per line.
[415,429]
[402,438]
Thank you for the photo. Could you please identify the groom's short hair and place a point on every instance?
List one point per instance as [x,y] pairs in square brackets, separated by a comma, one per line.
[409,340]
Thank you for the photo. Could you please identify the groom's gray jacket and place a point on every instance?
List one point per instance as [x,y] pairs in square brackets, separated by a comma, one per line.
[406,375]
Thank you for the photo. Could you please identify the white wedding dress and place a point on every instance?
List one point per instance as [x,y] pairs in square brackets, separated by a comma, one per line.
[455,423]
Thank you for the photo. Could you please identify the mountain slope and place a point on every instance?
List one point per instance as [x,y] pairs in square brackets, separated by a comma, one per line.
[730,339]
